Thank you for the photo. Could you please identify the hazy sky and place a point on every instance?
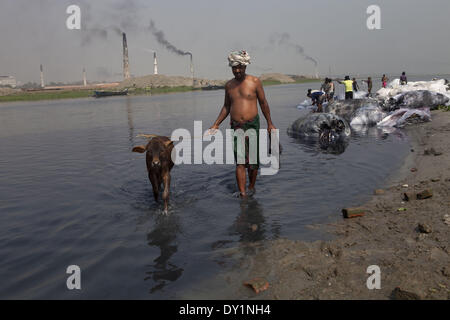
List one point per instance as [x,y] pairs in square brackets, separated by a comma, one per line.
[413,38]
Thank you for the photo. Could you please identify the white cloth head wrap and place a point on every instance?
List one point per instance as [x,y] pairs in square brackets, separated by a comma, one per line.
[236,58]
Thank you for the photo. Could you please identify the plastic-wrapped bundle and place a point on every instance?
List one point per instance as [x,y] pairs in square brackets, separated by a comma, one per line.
[402,117]
[313,124]
[347,108]
[394,88]
[418,99]
[329,131]
[367,115]
[306,105]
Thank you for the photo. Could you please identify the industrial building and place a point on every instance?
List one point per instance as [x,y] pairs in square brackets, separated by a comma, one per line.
[8,81]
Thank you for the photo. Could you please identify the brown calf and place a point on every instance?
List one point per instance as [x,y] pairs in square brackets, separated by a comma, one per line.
[159,163]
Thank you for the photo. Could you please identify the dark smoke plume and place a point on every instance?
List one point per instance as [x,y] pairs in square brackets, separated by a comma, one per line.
[159,35]
[284,39]
[115,19]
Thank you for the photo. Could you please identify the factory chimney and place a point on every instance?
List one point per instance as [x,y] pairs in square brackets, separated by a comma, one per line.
[84,77]
[42,77]
[192,71]
[317,73]
[155,64]
[126,69]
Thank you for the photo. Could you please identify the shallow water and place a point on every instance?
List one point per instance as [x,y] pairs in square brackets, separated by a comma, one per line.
[72,192]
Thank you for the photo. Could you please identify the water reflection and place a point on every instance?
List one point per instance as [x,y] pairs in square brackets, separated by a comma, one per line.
[377,133]
[130,120]
[164,236]
[250,223]
[313,145]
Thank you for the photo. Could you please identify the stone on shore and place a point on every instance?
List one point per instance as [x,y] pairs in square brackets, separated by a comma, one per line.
[424,228]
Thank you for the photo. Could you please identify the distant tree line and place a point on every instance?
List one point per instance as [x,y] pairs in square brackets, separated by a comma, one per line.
[34,85]
[30,85]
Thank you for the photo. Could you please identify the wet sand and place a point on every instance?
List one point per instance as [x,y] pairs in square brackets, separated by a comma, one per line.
[416,262]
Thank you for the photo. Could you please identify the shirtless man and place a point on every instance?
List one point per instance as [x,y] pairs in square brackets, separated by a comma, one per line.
[241,96]
[369,86]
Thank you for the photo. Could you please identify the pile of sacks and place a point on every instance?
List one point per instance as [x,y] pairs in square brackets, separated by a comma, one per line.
[401,117]
[411,103]
[394,106]
[394,88]
[414,95]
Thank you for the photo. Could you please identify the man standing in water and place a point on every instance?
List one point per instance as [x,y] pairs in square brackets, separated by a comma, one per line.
[403,79]
[328,88]
[330,93]
[355,85]
[348,87]
[384,81]
[241,96]
[369,86]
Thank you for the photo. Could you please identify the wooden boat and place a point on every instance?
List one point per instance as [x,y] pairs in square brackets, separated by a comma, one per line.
[100,94]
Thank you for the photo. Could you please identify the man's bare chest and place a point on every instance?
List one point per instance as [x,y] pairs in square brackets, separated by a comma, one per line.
[246,93]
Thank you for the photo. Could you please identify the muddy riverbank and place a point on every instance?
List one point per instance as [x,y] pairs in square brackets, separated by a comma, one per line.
[411,257]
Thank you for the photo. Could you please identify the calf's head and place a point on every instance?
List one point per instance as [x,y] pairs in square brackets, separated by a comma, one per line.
[158,151]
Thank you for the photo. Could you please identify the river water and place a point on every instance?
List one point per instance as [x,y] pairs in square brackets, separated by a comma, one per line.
[73,193]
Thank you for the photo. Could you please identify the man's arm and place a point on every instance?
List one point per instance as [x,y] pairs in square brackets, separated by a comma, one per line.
[224,112]
[263,104]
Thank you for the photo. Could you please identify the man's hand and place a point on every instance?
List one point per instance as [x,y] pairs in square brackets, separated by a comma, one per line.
[212,131]
[270,127]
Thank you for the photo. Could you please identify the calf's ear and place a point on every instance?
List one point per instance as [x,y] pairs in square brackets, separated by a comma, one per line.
[168,143]
[140,149]
[148,136]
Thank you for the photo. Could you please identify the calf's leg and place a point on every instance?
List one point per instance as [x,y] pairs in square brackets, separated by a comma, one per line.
[166,182]
[155,184]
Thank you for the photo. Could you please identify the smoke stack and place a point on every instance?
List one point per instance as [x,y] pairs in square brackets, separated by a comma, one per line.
[42,77]
[84,77]
[317,73]
[126,68]
[192,71]
[155,64]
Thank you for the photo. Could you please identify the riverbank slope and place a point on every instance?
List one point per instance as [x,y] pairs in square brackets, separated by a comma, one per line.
[412,258]
[146,85]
